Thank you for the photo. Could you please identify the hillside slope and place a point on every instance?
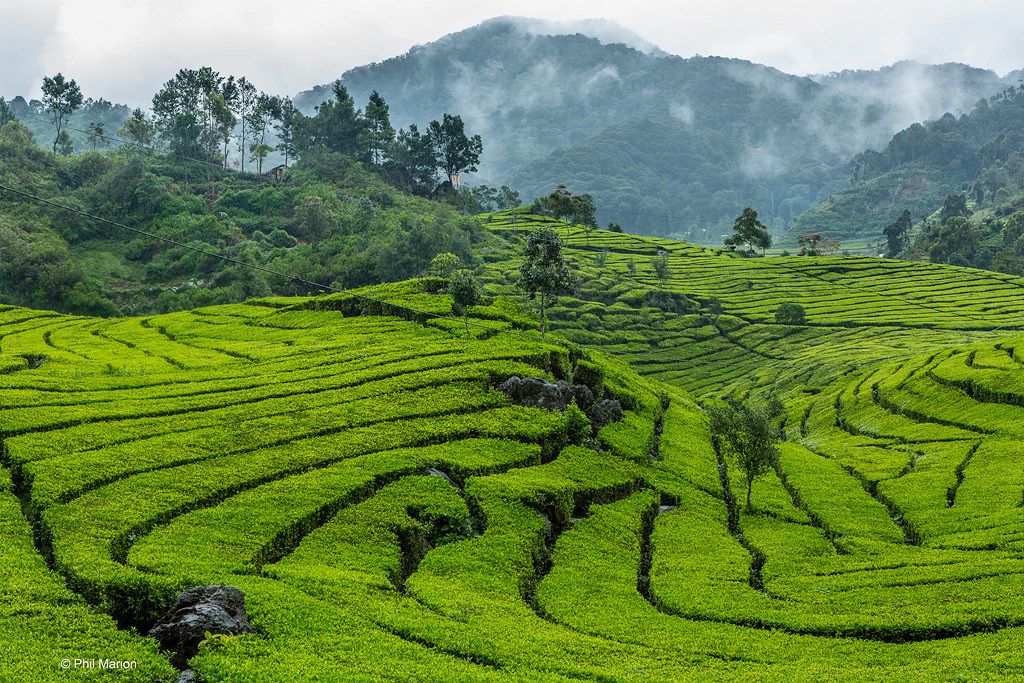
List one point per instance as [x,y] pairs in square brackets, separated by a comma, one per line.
[295,447]
[978,153]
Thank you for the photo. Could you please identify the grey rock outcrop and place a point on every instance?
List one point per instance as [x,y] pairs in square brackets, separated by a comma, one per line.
[198,610]
[538,393]
[604,413]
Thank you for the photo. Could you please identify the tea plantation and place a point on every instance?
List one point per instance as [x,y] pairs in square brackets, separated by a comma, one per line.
[390,515]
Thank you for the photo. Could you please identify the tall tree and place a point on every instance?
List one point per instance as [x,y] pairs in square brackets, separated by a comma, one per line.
[411,164]
[745,435]
[61,97]
[559,203]
[378,135]
[584,211]
[563,204]
[266,110]
[808,243]
[507,198]
[137,129]
[662,268]
[545,275]
[335,126]
[955,205]
[750,231]
[224,122]
[286,129]
[454,150]
[465,292]
[96,136]
[243,105]
[897,233]
[184,112]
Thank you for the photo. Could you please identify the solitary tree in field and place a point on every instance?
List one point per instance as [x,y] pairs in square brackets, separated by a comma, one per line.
[573,208]
[465,292]
[809,243]
[544,274]
[897,233]
[661,267]
[745,435]
[750,231]
[559,203]
[455,151]
[62,97]
[585,211]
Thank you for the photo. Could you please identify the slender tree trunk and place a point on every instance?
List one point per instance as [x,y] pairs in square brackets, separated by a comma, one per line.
[750,486]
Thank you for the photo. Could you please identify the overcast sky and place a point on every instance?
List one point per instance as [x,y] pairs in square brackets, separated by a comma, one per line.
[124,49]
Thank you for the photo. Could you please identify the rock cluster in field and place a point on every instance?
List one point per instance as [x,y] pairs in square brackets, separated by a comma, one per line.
[539,393]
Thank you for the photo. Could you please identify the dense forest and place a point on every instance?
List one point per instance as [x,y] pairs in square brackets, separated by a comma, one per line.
[155,217]
[980,153]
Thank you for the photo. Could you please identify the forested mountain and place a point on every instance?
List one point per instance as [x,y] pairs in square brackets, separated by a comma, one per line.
[980,154]
[665,144]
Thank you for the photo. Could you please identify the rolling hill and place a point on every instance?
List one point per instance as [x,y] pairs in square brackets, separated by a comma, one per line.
[348,462]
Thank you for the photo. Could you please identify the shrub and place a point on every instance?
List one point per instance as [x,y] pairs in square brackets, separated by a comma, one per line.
[790,314]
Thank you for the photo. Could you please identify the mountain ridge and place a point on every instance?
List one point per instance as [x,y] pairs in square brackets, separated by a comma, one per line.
[544,102]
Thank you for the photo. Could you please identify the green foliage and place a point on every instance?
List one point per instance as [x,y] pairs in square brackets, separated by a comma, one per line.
[956,241]
[789,313]
[61,97]
[332,222]
[544,275]
[443,265]
[925,167]
[465,291]
[745,434]
[455,151]
[747,229]
[336,126]
[562,204]
[577,425]
[661,267]
[6,113]
[897,233]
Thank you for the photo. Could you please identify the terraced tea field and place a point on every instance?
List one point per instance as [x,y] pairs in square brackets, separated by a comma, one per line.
[390,515]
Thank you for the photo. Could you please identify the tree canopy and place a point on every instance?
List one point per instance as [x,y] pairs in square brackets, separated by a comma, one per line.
[545,275]
[61,97]
[747,229]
